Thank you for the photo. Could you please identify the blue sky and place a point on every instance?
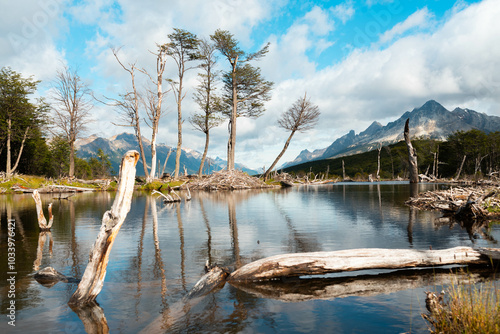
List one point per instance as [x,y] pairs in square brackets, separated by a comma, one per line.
[359,61]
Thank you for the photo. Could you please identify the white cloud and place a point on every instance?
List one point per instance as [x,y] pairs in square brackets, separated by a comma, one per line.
[455,61]
[344,11]
[419,19]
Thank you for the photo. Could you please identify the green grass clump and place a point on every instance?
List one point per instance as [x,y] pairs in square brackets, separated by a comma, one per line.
[157,183]
[467,308]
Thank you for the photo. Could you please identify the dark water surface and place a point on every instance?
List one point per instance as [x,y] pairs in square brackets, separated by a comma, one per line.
[161,250]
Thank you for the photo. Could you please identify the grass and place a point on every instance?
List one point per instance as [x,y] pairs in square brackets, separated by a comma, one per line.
[467,308]
[36,182]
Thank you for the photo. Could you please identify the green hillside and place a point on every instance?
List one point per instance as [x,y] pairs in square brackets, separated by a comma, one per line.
[482,156]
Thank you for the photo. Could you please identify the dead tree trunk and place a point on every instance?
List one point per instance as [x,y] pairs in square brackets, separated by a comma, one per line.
[93,278]
[42,222]
[378,161]
[412,154]
[461,166]
[319,263]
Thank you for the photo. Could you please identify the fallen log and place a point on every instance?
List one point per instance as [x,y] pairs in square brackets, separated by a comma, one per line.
[93,277]
[51,189]
[320,263]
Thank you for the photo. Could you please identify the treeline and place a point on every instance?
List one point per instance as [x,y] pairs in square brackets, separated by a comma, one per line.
[51,159]
[478,154]
[25,125]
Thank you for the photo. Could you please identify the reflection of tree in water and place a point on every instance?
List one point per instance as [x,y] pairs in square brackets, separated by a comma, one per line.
[42,238]
[297,242]
[159,268]
[476,229]
[181,245]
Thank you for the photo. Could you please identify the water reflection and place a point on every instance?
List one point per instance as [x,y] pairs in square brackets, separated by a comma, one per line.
[160,252]
[42,238]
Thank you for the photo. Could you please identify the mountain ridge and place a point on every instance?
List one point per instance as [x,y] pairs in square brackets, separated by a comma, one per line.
[116,146]
[431,120]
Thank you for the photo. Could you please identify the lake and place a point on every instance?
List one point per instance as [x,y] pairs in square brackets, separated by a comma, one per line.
[161,250]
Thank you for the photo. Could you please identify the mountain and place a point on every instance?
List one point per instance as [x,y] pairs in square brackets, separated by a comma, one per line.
[116,146]
[431,120]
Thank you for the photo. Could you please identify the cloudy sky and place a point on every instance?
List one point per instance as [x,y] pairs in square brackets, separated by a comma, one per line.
[359,60]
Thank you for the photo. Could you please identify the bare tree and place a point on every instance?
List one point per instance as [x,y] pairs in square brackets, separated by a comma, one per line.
[72,102]
[302,116]
[183,48]
[152,101]
[129,105]
[205,98]
[245,88]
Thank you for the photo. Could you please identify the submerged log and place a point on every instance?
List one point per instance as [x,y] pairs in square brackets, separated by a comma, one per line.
[319,263]
[93,277]
[48,277]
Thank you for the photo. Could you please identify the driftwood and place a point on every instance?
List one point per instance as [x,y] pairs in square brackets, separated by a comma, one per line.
[167,198]
[462,203]
[42,222]
[412,154]
[229,180]
[319,263]
[93,277]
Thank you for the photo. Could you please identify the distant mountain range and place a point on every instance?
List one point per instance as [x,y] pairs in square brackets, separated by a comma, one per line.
[431,121]
[116,146]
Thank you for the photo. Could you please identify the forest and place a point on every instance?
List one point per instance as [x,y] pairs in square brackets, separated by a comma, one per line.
[477,152]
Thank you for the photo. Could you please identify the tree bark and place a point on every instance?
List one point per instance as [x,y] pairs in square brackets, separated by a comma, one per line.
[412,154]
[93,278]
[319,263]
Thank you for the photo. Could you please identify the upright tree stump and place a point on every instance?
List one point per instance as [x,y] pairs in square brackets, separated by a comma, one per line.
[412,154]
[93,278]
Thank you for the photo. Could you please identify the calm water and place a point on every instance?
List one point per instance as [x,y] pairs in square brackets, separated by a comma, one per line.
[161,250]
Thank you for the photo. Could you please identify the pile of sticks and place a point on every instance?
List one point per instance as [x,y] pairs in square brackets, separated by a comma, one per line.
[463,202]
[228,180]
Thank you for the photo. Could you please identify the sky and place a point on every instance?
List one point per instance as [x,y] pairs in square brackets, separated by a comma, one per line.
[359,61]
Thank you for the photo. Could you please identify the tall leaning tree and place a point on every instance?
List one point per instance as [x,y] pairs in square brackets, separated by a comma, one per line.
[18,115]
[205,96]
[183,49]
[71,104]
[302,116]
[245,90]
